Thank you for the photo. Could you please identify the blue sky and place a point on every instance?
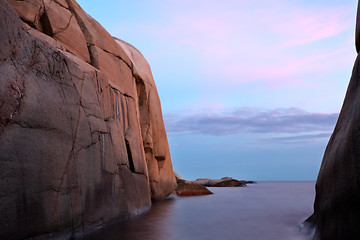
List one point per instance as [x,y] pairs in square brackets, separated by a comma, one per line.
[249,89]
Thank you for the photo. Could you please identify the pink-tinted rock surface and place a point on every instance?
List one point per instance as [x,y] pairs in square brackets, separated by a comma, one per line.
[152,130]
[336,209]
[82,140]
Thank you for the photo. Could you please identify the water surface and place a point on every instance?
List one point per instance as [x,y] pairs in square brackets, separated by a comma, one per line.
[262,211]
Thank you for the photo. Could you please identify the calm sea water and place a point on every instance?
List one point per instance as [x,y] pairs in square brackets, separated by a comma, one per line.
[262,211]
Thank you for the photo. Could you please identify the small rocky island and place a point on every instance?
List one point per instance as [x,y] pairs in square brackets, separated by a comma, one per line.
[199,186]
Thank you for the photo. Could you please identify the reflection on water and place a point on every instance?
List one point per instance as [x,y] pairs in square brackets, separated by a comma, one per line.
[266,211]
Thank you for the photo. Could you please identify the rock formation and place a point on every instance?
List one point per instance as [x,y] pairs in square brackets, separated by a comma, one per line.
[222,182]
[198,186]
[231,183]
[189,188]
[336,208]
[82,140]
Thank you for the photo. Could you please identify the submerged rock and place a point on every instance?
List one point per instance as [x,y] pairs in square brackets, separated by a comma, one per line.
[336,208]
[82,139]
[188,188]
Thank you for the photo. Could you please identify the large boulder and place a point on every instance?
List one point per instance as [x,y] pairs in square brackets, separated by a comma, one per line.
[189,188]
[336,208]
[82,140]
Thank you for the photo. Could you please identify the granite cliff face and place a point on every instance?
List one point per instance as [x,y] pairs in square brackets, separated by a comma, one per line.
[82,140]
[336,209]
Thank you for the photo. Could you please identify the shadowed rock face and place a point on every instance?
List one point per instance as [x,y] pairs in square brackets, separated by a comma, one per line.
[82,140]
[337,204]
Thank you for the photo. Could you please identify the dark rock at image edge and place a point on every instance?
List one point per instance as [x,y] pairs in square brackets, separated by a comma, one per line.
[336,208]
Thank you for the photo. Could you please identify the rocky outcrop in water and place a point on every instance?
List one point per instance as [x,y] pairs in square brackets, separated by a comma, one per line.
[222,182]
[336,208]
[82,140]
[231,183]
[189,188]
[199,186]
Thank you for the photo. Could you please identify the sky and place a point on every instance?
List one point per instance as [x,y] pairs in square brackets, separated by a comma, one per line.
[249,89]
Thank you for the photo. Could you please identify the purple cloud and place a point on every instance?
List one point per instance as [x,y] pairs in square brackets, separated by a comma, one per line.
[291,121]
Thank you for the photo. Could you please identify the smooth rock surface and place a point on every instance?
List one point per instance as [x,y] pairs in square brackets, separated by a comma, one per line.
[336,209]
[75,152]
[188,188]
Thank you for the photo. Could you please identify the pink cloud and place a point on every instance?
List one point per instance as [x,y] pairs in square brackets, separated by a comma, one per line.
[244,41]
[218,47]
[304,26]
[285,72]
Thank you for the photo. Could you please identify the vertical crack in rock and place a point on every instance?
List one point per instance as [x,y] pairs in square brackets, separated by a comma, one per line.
[102,135]
[112,190]
[71,153]
[117,106]
[117,94]
[130,159]
[143,105]
[145,123]
[124,111]
[45,24]
[89,39]
[98,89]
[69,191]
